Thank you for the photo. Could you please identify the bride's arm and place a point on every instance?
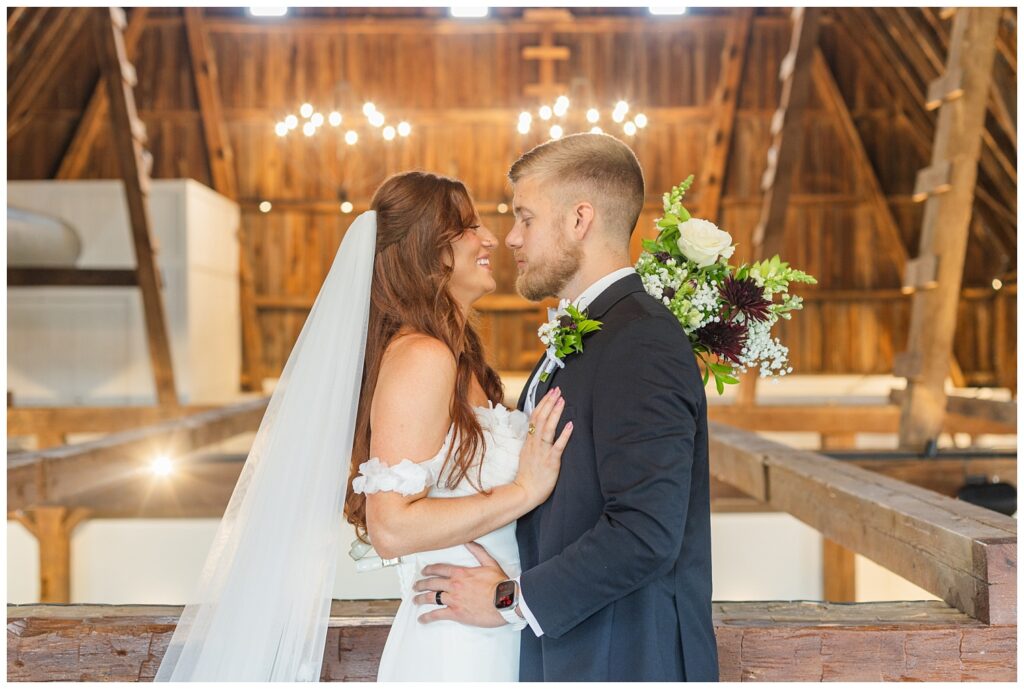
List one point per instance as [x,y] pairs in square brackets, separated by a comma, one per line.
[410,419]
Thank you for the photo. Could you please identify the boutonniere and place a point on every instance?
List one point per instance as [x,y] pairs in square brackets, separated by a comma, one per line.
[563,334]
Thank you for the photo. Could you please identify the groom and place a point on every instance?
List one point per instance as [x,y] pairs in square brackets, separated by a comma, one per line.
[616,564]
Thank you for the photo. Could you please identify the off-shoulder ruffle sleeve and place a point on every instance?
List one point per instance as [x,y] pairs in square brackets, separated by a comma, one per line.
[406,477]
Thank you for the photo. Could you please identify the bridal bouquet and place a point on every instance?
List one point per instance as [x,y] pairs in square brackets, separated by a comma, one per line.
[727,311]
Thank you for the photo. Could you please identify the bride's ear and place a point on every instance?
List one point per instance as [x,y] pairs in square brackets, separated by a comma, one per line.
[584,216]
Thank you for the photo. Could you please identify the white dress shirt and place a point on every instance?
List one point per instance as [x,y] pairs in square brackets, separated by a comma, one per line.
[586,298]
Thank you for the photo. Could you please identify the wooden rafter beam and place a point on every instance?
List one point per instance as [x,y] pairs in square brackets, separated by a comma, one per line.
[889,230]
[225,180]
[997,411]
[42,62]
[946,226]
[129,139]
[962,553]
[724,105]
[35,420]
[787,136]
[72,164]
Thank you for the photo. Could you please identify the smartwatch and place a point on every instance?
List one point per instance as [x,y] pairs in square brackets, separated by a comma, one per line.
[506,597]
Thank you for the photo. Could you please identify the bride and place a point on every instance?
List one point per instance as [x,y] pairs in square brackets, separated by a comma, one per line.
[388,364]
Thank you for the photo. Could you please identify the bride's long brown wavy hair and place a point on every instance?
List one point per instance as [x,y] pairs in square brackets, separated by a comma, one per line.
[419,216]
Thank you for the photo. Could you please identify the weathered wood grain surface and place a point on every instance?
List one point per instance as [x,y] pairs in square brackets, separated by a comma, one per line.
[757,641]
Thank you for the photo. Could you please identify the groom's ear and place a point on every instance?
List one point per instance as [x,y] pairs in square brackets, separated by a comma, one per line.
[584,217]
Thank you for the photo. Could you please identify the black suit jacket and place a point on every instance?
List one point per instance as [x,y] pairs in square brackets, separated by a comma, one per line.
[617,562]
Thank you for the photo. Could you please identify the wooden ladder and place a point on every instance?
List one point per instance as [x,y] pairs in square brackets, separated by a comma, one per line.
[129,134]
[947,189]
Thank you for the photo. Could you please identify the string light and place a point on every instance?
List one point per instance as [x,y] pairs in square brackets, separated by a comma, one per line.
[997,284]
[503,208]
[334,118]
[404,129]
[291,122]
[545,112]
[561,106]
[388,133]
[346,206]
[314,120]
[375,118]
[596,130]
[351,137]
[265,206]
[369,107]
[309,129]
[556,132]
[629,128]
[317,119]
[281,129]
[593,115]
[640,120]
[306,109]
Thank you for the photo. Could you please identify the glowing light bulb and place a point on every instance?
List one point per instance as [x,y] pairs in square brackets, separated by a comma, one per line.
[623,106]
[388,133]
[561,106]
[525,117]
[306,110]
[641,120]
[593,115]
[503,208]
[368,108]
[317,119]
[629,128]
[334,118]
[997,283]
[351,137]
[523,127]
[291,122]
[162,466]
[281,129]
[404,129]
[265,206]
[618,115]
[376,118]
[309,129]
[556,132]
[596,130]
[346,206]
[545,112]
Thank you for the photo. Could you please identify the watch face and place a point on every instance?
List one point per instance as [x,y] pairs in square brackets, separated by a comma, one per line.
[505,595]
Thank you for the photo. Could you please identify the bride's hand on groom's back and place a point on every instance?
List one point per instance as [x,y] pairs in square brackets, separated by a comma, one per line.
[541,456]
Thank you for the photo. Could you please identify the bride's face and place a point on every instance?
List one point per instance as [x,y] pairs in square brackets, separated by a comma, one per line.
[472,277]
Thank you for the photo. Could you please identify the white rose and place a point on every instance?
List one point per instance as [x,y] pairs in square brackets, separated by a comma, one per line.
[702,242]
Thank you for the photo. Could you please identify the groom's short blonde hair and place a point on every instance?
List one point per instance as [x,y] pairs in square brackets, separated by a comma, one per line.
[597,168]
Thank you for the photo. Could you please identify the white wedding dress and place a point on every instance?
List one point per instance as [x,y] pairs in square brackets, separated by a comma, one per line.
[446,650]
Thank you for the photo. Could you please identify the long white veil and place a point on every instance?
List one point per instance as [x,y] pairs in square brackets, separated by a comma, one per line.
[265,592]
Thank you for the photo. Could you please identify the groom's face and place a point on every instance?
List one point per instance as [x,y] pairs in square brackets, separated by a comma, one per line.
[546,254]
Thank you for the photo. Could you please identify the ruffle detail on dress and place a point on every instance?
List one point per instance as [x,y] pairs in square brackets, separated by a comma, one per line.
[406,477]
[504,423]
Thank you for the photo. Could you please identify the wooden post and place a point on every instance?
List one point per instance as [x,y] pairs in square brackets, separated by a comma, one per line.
[723,105]
[946,224]
[52,527]
[838,564]
[225,181]
[129,140]
[787,137]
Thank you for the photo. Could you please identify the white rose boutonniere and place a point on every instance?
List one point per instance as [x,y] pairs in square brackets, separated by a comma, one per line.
[702,242]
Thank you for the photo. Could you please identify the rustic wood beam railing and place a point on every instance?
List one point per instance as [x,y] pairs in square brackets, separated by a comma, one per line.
[52,476]
[757,641]
[962,553]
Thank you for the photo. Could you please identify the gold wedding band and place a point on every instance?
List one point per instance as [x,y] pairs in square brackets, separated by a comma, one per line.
[532,429]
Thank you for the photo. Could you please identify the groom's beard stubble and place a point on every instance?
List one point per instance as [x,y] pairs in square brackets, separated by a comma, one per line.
[547,278]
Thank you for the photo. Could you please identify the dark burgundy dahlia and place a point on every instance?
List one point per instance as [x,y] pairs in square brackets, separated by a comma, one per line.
[723,338]
[746,297]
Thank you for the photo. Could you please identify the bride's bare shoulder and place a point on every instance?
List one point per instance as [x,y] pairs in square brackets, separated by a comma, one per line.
[418,368]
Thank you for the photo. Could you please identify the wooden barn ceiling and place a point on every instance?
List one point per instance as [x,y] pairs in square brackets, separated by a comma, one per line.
[462,85]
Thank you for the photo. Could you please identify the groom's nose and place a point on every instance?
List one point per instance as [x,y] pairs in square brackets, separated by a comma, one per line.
[514,238]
